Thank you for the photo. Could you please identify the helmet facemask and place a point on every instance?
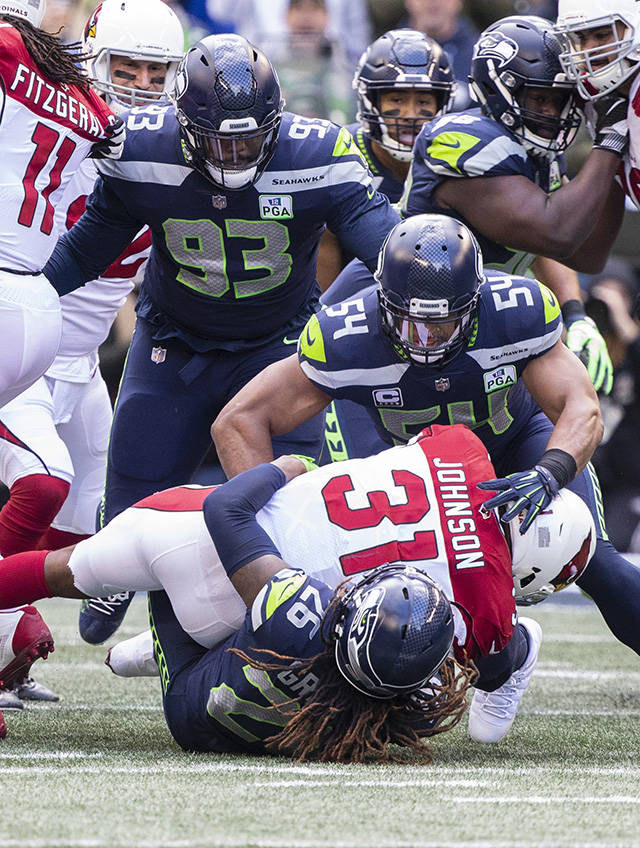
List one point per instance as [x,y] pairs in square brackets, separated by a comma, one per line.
[234,155]
[599,69]
[389,130]
[539,133]
[428,332]
[400,60]
[121,96]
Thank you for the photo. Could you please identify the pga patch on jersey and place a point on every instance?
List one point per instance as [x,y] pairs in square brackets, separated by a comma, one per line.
[387,397]
[500,378]
[275,206]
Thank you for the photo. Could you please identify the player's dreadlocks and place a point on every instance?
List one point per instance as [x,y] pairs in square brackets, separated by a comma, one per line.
[340,724]
[55,60]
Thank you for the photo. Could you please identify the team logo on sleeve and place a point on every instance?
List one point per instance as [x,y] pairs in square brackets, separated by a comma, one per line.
[500,378]
[275,206]
[496,46]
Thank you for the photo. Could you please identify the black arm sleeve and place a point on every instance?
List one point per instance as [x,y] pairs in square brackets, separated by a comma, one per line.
[93,243]
[230,516]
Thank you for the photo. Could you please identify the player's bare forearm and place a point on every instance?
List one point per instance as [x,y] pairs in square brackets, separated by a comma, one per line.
[276,401]
[560,385]
[513,211]
[591,256]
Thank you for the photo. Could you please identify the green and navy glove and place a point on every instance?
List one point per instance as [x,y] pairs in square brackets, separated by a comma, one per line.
[584,339]
[530,492]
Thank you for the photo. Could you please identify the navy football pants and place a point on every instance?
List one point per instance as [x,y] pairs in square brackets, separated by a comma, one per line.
[164,411]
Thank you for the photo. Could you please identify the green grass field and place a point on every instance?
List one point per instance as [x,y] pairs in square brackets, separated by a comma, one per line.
[100,769]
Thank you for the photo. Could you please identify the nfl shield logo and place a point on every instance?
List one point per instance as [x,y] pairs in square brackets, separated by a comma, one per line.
[442,384]
[158,354]
[219,201]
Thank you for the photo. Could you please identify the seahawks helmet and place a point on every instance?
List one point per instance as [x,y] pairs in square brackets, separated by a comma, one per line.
[429,271]
[601,68]
[393,631]
[555,551]
[511,56]
[142,30]
[228,104]
[400,59]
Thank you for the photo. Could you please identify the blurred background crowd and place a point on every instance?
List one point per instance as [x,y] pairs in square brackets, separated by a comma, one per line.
[315,46]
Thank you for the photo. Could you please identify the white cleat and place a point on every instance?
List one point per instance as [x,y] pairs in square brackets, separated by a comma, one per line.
[492,713]
[133,657]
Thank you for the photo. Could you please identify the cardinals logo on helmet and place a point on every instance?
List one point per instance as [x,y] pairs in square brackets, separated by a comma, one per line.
[90,28]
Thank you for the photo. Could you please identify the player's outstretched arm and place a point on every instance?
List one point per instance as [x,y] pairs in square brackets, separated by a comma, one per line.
[514,211]
[560,385]
[278,399]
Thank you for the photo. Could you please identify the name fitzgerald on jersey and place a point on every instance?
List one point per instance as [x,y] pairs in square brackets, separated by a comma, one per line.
[455,505]
[28,85]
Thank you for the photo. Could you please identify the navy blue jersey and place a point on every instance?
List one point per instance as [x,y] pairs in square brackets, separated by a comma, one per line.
[227,697]
[346,353]
[466,145]
[226,267]
[384,179]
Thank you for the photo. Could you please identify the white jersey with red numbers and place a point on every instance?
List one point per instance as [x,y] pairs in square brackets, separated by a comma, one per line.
[629,172]
[89,312]
[47,129]
[415,503]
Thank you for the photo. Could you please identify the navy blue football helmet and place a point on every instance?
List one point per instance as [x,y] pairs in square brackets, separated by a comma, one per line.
[228,104]
[400,59]
[393,631]
[511,57]
[429,271]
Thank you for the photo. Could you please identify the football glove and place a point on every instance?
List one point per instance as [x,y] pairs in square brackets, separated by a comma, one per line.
[607,122]
[112,146]
[309,463]
[584,339]
[530,492]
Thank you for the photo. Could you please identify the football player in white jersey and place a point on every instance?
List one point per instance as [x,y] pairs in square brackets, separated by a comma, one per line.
[418,504]
[49,122]
[53,436]
[602,54]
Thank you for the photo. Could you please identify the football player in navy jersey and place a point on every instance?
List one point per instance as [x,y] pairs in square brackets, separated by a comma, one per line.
[237,194]
[402,80]
[500,169]
[436,342]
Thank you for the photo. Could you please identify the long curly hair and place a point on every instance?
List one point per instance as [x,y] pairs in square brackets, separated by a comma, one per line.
[55,60]
[338,723]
